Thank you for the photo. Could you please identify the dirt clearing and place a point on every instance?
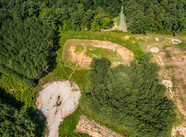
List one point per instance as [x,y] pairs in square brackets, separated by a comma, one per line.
[172,60]
[116,53]
[57,100]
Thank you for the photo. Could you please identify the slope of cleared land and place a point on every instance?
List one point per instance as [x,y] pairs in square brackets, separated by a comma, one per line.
[78,53]
[172,61]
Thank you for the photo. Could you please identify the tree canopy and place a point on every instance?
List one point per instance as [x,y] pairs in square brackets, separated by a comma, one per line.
[130,96]
[162,16]
[25,47]
[13,122]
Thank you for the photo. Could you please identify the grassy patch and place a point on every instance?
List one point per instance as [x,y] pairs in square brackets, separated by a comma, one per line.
[94,48]
[112,126]
[79,48]
[125,18]
[174,80]
[167,55]
[100,52]
[77,134]
[69,124]
[169,67]
[116,37]
[117,21]
[80,77]
[181,45]
[20,92]
[165,46]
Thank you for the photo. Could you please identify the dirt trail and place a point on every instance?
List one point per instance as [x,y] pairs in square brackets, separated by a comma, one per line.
[57,100]
[71,74]
[177,62]
[172,61]
[122,20]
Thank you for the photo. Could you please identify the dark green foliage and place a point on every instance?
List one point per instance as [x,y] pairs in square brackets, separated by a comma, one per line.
[69,15]
[25,47]
[77,134]
[79,76]
[69,124]
[131,97]
[19,78]
[167,55]
[14,122]
[162,16]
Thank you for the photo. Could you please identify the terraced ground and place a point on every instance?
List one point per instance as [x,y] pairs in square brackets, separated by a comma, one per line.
[78,53]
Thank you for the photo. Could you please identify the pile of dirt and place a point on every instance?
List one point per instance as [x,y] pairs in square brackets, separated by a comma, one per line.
[57,100]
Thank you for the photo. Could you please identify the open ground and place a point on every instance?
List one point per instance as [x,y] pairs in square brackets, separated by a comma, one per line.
[78,53]
[57,100]
[172,61]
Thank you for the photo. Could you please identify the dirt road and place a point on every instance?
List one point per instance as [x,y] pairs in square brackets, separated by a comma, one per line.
[122,19]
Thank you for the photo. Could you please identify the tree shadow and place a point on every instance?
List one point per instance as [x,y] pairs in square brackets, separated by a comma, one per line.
[52,55]
[53,62]
[35,115]
[10,99]
[39,119]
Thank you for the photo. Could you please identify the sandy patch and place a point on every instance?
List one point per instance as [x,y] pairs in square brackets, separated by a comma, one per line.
[154,50]
[126,37]
[157,39]
[181,129]
[82,61]
[167,83]
[79,58]
[56,101]
[175,41]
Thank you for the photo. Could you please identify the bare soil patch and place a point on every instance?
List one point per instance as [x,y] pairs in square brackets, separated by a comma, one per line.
[57,100]
[177,61]
[172,65]
[94,129]
[81,61]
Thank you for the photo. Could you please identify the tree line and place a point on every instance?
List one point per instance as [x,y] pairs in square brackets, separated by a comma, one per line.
[28,31]
[161,16]
[25,48]
[67,14]
[130,96]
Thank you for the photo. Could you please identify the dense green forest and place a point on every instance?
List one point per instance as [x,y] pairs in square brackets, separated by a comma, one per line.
[130,96]
[29,28]
[66,14]
[161,16]
[14,122]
